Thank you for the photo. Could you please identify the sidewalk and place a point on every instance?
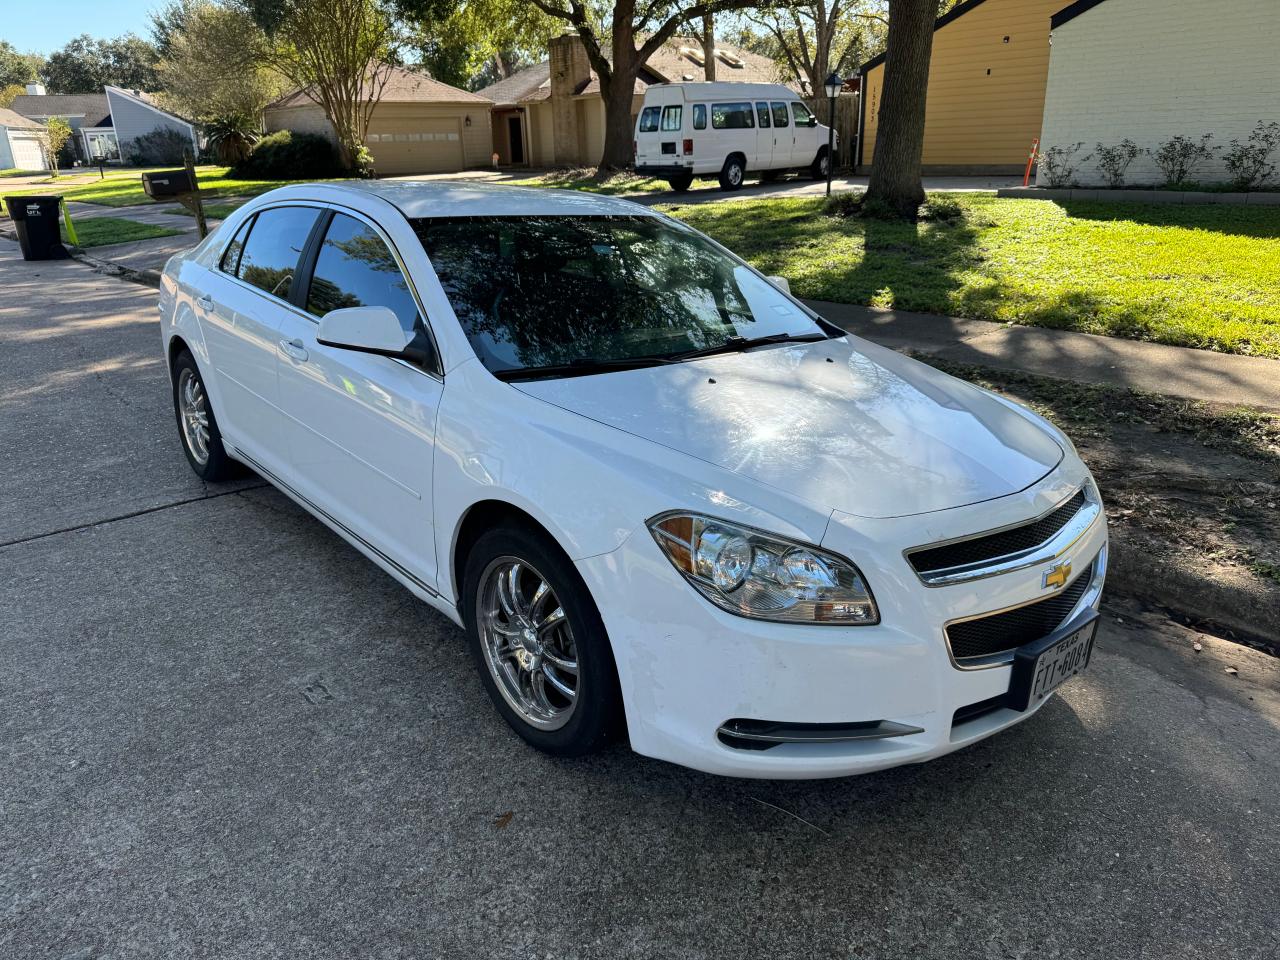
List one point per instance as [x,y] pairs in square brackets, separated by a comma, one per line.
[1065,354]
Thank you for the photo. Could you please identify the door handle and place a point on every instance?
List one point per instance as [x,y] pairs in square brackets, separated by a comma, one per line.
[205,301]
[294,350]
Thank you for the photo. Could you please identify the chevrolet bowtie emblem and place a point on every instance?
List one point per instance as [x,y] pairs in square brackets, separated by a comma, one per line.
[1055,577]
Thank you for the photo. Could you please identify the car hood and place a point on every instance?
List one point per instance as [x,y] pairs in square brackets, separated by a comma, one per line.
[840,423]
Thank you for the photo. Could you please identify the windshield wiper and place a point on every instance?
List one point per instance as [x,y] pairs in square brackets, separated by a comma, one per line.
[736,344]
[581,366]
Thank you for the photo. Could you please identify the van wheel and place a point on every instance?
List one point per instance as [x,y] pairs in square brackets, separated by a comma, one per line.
[818,169]
[732,175]
[681,183]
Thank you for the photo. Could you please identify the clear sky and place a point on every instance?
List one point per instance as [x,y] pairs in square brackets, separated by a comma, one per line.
[44,27]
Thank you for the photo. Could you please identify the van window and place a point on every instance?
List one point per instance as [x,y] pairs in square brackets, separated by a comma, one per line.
[803,117]
[762,114]
[732,116]
[699,116]
[780,115]
[649,119]
[671,117]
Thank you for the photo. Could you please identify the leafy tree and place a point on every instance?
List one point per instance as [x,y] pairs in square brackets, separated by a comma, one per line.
[9,93]
[811,39]
[340,52]
[895,187]
[17,68]
[86,65]
[478,42]
[619,39]
[215,64]
[57,133]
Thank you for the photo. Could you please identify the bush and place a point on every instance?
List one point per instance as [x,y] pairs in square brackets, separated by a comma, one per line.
[1250,163]
[847,203]
[1113,161]
[231,137]
[1058,165]
[1179,157]
[162,147]
[940,208]
[289,155]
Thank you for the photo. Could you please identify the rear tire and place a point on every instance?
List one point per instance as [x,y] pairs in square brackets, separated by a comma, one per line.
[733,173]
[681,183]
[818,169]
[197,426]
[539,643]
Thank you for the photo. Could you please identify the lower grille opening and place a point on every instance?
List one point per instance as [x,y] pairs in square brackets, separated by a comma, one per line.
[766,734]
[974,711]
[999,633]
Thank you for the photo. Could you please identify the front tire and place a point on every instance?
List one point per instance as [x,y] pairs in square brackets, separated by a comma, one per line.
[540,644]
[197,426]
[733,173]
[818,169]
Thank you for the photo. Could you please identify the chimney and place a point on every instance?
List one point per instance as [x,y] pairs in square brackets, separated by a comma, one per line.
[570,70]
[36,89]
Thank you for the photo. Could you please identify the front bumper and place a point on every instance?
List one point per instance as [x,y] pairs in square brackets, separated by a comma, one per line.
[688,668]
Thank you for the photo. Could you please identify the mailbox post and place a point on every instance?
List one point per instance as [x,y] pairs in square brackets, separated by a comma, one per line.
[180,185]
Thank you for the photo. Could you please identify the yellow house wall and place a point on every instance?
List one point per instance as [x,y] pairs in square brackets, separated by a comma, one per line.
[986,97]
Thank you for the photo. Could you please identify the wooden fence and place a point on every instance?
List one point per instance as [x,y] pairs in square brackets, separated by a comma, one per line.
[846,125]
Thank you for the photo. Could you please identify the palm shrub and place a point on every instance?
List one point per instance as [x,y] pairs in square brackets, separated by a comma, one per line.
[231,137]
[1249,163]
[1179,157]
[1114,160]
[1058,164]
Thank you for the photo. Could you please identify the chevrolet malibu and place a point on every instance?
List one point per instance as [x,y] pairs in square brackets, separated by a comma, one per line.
[664,498]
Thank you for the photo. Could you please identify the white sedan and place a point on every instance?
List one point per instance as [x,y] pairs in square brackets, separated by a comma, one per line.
[664,499]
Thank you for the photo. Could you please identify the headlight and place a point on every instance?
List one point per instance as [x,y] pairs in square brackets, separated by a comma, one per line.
[758,575]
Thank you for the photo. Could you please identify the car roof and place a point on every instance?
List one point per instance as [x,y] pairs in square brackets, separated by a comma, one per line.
[463,198]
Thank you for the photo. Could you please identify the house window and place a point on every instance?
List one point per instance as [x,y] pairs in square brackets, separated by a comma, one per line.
[732,116]
[102,147]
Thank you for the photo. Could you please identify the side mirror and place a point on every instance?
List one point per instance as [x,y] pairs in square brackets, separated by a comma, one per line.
[374,330]
[781,283]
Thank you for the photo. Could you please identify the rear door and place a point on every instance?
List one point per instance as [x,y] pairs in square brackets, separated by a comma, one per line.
[648,137]
[240,306]
[361,427]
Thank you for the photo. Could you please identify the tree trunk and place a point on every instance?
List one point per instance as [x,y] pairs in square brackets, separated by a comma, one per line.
[617,89]
[895,173]
[709,47]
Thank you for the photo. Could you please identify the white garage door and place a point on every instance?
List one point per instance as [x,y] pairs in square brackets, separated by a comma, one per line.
[28,151]
[416,146]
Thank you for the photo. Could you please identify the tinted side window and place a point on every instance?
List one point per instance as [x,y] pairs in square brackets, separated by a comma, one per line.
[231,255]
[732,116]
[780,118]
[762,114]
[355,269]
[271,254]
[671,117]
[803,117]
[699,116]
[649,119]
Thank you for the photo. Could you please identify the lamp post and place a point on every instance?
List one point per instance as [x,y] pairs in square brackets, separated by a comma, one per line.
[833,85]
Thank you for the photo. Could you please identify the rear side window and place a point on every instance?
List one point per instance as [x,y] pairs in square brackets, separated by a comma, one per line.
[732,116]
[231,255]
[271,254]
[780,118]
[671,117]
[649,119]
[699,116]
[762,114]
[803,117]
[356,269]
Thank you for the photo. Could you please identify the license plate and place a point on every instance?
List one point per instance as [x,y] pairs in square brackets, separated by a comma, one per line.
[1040,668]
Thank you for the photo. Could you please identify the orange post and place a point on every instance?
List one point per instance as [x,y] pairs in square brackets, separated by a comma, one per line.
[1031,161]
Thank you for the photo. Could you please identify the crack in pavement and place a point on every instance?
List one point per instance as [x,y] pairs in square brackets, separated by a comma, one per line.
[127,516]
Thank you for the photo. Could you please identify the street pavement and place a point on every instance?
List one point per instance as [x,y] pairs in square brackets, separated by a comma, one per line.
[223,733]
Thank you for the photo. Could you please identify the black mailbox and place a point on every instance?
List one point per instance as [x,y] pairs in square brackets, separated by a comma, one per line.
[167,183]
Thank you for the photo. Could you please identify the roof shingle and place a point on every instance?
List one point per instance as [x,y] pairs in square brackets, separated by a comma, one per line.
[92,106]
[403,86]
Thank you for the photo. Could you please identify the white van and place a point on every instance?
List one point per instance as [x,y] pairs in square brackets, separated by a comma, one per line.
[727,130]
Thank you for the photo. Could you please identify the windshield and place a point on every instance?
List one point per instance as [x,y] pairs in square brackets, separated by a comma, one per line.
[541,292]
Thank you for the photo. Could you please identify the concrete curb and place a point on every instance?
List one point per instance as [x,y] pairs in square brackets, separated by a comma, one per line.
[1141,196]
[148,278]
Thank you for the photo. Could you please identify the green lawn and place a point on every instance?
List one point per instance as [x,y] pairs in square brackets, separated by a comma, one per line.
[212,211]
[99,231]
[123,187]
[1197,276]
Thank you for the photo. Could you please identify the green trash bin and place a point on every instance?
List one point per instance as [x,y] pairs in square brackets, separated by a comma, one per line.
[36,220]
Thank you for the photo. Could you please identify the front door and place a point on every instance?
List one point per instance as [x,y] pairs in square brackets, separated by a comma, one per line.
[515,140]
[784,137]
[362,427]
[767,154]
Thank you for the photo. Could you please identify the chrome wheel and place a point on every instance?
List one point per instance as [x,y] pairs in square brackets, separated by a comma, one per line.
[193,413]
[527,643]
[735,174]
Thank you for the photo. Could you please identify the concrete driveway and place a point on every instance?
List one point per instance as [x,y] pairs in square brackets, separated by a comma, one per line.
[225,734]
